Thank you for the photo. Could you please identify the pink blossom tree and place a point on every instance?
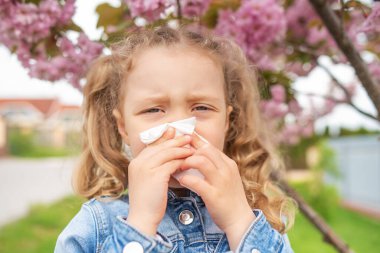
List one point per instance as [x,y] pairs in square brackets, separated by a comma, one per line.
[283,38]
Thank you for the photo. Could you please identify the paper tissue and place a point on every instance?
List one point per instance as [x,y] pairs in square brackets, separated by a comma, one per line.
[185,126]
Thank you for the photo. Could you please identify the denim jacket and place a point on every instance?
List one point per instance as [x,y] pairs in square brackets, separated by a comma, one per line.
[100,226]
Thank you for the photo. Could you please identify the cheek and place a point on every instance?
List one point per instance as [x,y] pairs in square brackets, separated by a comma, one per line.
[215,135]
[133,131]
[136,146]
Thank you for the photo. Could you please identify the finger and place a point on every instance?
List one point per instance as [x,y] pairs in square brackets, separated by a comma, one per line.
[203,164]
[170,167]
[226,166]
[196,184]
[176,142]
[180,141]
[213,154]
[168,134]
[168,154]
[197,141]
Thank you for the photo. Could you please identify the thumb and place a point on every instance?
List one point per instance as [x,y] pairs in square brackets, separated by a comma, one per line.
[198,141]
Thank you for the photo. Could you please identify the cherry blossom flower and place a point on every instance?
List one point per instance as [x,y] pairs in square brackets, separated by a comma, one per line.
[254,25]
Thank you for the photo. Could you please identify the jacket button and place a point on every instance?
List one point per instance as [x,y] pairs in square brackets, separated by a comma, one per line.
[255,251]
[186,217]
[133,247]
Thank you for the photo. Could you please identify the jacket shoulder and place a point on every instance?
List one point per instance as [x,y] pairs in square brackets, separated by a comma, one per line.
[91,225]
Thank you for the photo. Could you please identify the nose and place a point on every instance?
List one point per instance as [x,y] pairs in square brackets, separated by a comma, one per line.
[178,114]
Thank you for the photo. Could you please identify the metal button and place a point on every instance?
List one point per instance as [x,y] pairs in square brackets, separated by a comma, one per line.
[186,217]
[133,247]
[255,251]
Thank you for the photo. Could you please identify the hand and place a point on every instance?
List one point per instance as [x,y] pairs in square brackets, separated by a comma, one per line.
[222,189]
[148,177]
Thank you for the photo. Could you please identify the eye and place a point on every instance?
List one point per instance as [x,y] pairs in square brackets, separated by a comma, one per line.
[152,110]
[201,108]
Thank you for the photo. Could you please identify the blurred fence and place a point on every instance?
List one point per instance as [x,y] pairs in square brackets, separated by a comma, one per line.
[358,160]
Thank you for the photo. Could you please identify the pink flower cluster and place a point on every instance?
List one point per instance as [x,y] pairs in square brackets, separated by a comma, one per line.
[194,8]
[151,10]
[372,23]
[254,26]
[276,107]
[300,15]
[374,69]
[306,27]
[302,123]
[292,133]
[299,68]
[29,23]
[25,27]
[289,118]
[276,110]
[71,65]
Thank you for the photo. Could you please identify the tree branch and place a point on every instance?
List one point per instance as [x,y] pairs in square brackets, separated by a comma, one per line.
[327,97]
[336,101]
[179,9]
[338,83]
[328,234]
[335,28]
[346,93]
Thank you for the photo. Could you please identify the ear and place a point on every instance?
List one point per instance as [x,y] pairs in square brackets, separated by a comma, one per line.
[120,125]
[229,110]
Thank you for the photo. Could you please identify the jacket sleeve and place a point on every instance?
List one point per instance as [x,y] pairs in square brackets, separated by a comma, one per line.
[261,237]
[89,232]
[79,235]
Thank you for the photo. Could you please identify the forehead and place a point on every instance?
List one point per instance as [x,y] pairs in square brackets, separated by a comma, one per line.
[174,65]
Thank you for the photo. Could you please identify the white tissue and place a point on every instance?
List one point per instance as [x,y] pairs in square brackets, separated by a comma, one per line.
[185,126]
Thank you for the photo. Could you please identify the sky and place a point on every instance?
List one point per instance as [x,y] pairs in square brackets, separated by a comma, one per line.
[15,82]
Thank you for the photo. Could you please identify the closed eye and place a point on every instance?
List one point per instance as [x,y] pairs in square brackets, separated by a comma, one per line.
[153,110]
[202,108]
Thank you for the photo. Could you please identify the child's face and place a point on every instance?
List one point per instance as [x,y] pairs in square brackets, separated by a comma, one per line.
[170,84]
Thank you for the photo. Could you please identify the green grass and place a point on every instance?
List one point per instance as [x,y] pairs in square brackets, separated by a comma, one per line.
[22,144]
[38,231]
[360,232]
[42,152]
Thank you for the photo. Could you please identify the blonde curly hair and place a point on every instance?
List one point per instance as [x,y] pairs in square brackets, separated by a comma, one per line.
[103,168]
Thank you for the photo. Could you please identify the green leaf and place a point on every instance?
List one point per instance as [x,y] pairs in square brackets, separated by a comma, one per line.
[354,4]
[71,26]
[36,2]
[119,32]
[316,22]
[51,46]
[109,15]
[211,16]
[268,78]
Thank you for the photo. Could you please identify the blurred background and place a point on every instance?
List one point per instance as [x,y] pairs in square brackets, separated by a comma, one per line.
[327,122]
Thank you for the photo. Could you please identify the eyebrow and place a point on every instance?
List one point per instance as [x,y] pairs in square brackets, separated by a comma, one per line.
[191,98]
[201,97]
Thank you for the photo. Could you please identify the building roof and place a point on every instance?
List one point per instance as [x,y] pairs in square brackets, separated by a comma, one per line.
[47,106]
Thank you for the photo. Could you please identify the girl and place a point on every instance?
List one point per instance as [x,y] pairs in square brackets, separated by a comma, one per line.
[159,76]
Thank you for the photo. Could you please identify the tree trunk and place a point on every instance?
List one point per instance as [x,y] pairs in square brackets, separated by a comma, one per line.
[328,234]
[336,29]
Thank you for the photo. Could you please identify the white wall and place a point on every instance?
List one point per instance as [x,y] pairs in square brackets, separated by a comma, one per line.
[358,161]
